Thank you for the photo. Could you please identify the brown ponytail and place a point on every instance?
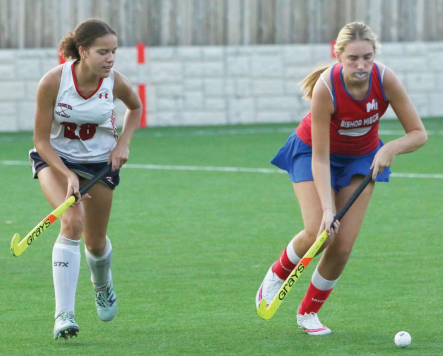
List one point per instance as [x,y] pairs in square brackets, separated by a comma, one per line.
[84,35]
[68,48]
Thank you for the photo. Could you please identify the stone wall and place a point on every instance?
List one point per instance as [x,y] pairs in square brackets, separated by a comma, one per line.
[220,85]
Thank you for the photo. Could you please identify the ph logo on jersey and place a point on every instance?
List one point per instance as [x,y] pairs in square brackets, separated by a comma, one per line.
[101,95]
[63,110]
[372,106]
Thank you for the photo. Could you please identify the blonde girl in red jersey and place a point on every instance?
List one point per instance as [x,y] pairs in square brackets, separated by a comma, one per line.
[327,157]
[75,137]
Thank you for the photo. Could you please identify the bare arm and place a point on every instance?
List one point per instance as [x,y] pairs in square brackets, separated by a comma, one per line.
[415,136]
[46,97]
[124,91]
[322,107]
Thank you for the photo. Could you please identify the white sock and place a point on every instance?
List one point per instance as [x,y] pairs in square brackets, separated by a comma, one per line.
[65,270]
[100,265]
[320,283]
[291,253]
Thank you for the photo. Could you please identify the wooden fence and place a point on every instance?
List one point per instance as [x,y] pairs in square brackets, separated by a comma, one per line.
[41,23]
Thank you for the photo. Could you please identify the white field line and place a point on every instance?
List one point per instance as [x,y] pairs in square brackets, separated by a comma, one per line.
[401,132]
[245,131]
[216,132]
[226,169]
[204,168]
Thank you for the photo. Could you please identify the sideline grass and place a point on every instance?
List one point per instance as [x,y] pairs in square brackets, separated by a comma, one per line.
[191,248]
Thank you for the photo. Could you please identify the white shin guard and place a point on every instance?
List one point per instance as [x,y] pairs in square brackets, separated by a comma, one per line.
[100,265]
[65,270]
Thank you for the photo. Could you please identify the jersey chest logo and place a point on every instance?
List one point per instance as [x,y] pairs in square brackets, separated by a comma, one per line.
[372,105]
[103,95]
[63,110]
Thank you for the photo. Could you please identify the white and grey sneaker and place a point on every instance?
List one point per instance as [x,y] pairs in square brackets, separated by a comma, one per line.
[269,288]
[106,302]
[310,323]
[65,326]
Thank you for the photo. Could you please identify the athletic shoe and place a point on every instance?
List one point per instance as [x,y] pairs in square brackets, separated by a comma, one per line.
[106,302]
[65,326]
[269,288]
[310,323]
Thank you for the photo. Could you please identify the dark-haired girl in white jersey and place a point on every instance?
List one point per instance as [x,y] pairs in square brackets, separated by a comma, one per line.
[74,137]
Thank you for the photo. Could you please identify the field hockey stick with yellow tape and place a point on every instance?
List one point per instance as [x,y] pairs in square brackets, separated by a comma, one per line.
[267,312]
[17,247]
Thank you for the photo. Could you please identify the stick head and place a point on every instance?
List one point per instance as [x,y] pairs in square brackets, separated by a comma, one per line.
[263,310]
[14,245]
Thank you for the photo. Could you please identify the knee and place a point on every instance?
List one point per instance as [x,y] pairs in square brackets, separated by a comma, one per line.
[342,248]
[72,224]
[95,246]
[95,250]
[311,233]
[340,254]
[308,238]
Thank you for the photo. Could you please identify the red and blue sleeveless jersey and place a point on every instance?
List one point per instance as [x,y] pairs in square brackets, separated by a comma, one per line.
[354,123]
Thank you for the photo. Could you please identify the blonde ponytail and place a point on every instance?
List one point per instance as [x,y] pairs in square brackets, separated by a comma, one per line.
[307,84]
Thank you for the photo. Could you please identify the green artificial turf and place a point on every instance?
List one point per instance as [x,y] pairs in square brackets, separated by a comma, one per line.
[191,247]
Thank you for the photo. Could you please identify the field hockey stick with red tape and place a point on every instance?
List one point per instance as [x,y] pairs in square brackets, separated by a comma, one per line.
[17,247]
[267,312]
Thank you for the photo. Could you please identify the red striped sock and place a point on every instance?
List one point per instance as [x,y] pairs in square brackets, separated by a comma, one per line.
[283,267]
[313,300]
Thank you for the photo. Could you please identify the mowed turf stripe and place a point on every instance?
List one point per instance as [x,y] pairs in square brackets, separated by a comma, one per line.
[227,169]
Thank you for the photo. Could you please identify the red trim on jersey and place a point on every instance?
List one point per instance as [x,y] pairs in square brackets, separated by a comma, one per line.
[76,87]
[350,116]
[114,127]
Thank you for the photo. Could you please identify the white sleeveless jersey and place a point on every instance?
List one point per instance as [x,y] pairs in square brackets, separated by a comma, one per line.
[83,129]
